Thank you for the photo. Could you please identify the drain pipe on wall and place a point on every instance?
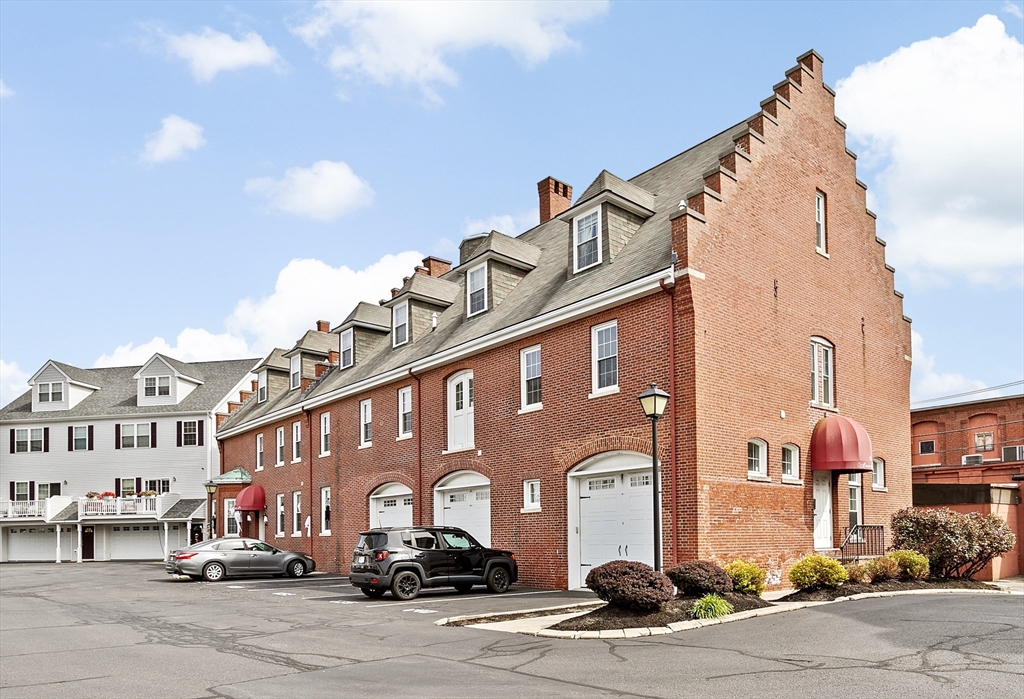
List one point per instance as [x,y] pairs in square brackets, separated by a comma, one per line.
[419,454]
[309,452]
[674,508]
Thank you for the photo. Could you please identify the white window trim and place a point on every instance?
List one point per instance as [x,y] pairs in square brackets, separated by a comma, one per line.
[297,513]
[523,407]
[575,241]
[795,477]
[325,434]
[279,454]
[296,442]
[49,391]
[855,480]
[762,474]
[469,313]
[365,418]
[74,437]
[280,514]
[925,453]
[527,505]
[295,372]
[149,431]
[259,452]
[325,529]
[229,516]
[395,325]
[596,392]
[261,387]
[821,218]
[404,391]
[349,337]
[819,346]
[878,488]
[156,386]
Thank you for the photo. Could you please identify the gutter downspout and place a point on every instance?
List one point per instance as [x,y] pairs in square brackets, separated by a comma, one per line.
[309,452]
[674,506]
[419,455]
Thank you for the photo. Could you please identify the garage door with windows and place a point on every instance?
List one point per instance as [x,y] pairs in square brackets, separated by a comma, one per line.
[40,544]
[391,506]
[463,499]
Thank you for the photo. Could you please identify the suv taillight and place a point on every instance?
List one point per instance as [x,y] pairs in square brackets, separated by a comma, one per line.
[380,555]
[184,556]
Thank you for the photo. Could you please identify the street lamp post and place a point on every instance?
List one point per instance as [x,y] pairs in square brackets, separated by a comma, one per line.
[653,402]
[211,488]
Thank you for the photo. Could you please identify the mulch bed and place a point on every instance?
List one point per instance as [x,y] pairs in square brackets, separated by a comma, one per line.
[611,617]
[846,589]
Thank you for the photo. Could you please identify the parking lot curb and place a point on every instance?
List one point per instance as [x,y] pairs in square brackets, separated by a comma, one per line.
[560,608]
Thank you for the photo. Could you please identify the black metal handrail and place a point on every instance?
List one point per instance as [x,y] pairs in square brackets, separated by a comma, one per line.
[862,541]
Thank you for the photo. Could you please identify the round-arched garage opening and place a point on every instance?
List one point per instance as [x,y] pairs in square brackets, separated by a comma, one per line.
[463,499]
[610,512]
[391,506]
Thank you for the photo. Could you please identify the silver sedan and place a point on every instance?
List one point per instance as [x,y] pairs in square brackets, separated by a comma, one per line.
[234,556]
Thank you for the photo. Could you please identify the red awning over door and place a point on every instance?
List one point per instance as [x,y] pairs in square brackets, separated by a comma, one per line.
[251,499]
[840,444]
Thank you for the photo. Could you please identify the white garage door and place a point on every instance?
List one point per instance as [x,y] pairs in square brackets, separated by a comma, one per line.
[469,509]
[35,544]
[391,506]
[136,542]
[616,519]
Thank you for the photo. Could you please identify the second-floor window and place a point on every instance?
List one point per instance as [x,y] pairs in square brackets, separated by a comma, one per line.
[347,351]
[80,438]
[325,434]
[259,452]
[820,237]
[28,440]
[157,386]
[587,240]
[280,446]
[604,349]
[822,372]
[926,446]
[296,371]
[189,433]
[261,387]
[51,392]
[529,380]
[365,423]
[296,441]
[476,289]
[983,441]
[405,411]
[136,436]
[159,485]
[400,324]
[47,490]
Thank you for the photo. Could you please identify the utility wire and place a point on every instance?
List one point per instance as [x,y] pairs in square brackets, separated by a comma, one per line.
[970,393]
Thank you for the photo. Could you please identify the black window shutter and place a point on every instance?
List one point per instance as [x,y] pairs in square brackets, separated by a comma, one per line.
[200,424]
[138,485]
[117,435]
[179,433]
[46,439]
[31,490]
[152,435]
[71,438]
[117,487]
[12,450]
[90,438]
[12,487]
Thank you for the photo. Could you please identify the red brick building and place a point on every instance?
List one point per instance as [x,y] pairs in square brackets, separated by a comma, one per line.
[743,276]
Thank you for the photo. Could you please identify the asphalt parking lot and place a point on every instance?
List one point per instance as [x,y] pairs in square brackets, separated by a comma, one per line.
[130,630]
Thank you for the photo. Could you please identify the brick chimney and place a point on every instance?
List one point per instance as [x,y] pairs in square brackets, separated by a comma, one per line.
[436,266]
[333,357]
[321,369]
[555,197]
[323,326]
[255,386]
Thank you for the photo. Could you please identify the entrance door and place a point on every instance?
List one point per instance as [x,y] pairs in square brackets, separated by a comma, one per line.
[460,411]
[616,519]
[88,544]
[822,509]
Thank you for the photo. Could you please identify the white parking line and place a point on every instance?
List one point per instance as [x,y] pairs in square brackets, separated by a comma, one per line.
[331,596]
[460,598]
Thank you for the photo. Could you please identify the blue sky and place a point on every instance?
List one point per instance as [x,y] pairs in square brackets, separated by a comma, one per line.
[208,179]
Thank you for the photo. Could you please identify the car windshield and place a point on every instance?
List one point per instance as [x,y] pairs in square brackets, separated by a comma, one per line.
[372,540]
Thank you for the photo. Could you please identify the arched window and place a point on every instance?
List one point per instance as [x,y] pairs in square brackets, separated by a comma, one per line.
[757,459]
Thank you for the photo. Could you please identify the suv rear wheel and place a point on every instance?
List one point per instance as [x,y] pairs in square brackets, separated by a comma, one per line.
[498,579]
[405,585]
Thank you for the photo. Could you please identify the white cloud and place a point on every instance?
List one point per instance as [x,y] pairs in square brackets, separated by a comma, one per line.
[943,118]
[13,381]
[176,135]
[191,345]
[322,192]
[409,42]
[210,52]
[509,224]
[5,91]
[1013,10]
[926,382]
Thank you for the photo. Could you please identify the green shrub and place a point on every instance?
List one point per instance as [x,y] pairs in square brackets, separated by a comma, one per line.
[710,607]
[913,566]
[747,577]
[630,584]
[956,545]
[699,578]
[816,571]
[857,572]
[882,568]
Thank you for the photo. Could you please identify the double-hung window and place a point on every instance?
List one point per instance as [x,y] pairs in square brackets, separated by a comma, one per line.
[790,462]
[136,436]
[325,434]
[587,240]
[21,493]
[230,523]
[156,386]
[365,423]
[80,440]
[820,237]
[190,433]
[529,378]
[476,290]
[400,324]
[405,412]
[295,371]
[347,351]
[325,510]
[259,452]
[51,392]
[297,513]
[280,446]
[280,515]
[296,441]
[261,387]
[877,474]
[822,372]
[757,466]
[28,440]
[983,441]
[531,495]
[127,487]
[853,483]
[604,353]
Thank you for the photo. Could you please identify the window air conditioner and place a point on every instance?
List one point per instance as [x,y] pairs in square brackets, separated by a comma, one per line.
[972,459]
[1013,453]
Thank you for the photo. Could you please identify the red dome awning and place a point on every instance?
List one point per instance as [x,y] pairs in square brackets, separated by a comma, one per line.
[251,499]
[840,444]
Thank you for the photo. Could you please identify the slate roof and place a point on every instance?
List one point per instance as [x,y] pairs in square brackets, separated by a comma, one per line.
[118,392]
[506,246]
[437,288]
[184,508]
[548,287]
[606,181]
[314,341]
[368,314]
[274,360]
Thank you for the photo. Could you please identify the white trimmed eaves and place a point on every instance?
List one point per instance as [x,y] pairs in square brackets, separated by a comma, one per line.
[78,419]
[594,304]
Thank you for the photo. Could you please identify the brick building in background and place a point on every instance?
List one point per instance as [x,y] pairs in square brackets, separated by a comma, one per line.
[742,275]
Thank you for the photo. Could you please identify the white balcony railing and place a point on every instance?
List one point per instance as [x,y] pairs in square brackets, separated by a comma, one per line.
[22,508]
[116,506]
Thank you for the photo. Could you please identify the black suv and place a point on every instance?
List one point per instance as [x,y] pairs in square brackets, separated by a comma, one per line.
[405,559]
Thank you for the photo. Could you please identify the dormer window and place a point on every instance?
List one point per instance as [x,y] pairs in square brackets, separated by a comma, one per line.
[261,387]
[476,290]
[51,392]
[400,324]
[587,240]
[157,386]
[296,371]
[347,353]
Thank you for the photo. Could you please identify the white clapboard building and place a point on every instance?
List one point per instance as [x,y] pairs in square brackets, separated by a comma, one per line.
[109,464]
